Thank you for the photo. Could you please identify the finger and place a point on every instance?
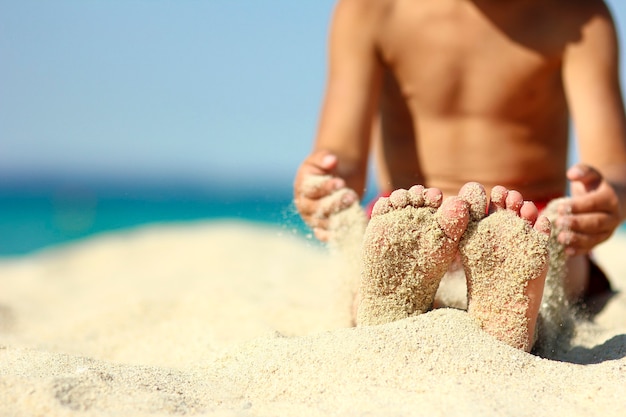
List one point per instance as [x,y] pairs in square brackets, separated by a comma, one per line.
[318,186]
[316,213]
[588,223]
[306,207]
[321,234]
[584,178]
[315,219]
[589,203]
[320,162]
[324,160]
[319,223]
[580,243]
[336,202]
[314,173]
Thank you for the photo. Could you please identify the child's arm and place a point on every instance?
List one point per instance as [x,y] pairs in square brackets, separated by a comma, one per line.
[591,79]
[342,143]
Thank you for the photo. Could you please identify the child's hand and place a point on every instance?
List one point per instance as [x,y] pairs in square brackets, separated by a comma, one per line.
[592,214]
[316,193]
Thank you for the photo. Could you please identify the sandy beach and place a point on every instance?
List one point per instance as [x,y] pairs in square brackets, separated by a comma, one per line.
[237,319]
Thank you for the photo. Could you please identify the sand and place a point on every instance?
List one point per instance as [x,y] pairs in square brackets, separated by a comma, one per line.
[235,319]
[504,245]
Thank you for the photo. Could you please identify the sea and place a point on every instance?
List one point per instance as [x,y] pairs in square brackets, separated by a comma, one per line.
[39,215]
[43,214]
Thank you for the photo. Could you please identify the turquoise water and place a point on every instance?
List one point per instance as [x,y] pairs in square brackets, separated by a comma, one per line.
[33,217]
[37,217]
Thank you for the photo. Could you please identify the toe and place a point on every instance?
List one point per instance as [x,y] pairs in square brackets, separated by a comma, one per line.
[498,198]
[382,206]
[514,201]
[433,197]
[529,212]
[399,199]
[503,198]
[475,196]
[416,195]
[543,225]
[453,217]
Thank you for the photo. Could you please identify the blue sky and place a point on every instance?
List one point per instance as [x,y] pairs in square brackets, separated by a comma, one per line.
[213,90]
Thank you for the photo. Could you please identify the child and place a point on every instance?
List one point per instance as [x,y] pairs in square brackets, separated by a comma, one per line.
[454,91]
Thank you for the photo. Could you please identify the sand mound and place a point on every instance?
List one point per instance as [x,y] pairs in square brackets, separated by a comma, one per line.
[237,319]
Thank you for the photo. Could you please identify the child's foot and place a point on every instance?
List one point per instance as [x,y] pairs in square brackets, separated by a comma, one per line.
[505,256]
[409,243]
